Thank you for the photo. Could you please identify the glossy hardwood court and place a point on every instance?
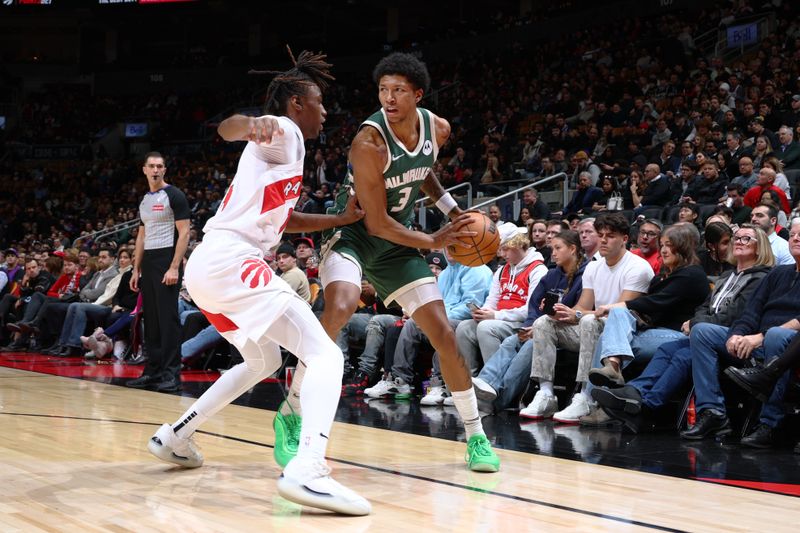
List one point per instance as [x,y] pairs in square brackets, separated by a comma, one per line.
[73,458]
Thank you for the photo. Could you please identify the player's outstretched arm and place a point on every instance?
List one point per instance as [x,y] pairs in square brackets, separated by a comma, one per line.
[307,222]
[368,156]
[260,130]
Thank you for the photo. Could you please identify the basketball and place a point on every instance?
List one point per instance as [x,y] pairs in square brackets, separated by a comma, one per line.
[482,247]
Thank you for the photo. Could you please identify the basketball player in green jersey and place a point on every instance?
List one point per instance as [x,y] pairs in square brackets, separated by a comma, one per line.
[390,159]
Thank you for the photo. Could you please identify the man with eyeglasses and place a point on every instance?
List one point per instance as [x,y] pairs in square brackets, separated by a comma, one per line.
[648,244]
[763,331]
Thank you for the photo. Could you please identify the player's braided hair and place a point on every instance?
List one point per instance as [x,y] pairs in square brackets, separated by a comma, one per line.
[309,69]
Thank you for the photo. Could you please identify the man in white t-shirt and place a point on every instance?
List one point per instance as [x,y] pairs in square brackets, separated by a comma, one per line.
[618,276]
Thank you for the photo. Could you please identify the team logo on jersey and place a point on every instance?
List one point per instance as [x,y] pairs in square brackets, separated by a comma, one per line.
[278,193]
[427,148]
[255,273]
[158,207]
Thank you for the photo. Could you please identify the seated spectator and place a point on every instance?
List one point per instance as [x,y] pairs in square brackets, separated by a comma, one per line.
[80,313]
[781,181]
[355,330]
[34,281]
[760,381]
[287,263]
[761,151]
[494,214]
[537,234]
[656,192]
[609,187]
[714,255]
[537,209]
[524,217]
[649,243]
[457,301]
[741,212]
[304,250]
[637,328]
[397,383]
[765,181]
[766,217]
[771,198]
[617,276]
[583,198]
[14,271]
[505,375]
[710,189]
[687,180]
[747,176]
[65,290]
[788,151]
[689,213]
[671,365]
[590,242]
[763,331]
[505,308]
[584,164]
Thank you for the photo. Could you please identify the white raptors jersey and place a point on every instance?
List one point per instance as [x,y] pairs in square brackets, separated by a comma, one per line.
[268,182]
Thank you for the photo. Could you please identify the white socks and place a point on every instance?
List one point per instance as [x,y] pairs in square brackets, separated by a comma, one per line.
[546,387]
[467,405]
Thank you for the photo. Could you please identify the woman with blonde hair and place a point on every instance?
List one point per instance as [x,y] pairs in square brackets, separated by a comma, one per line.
[762,150]
[671,366]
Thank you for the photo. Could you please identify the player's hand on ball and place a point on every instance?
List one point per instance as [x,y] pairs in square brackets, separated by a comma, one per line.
[263,129]
[452,233]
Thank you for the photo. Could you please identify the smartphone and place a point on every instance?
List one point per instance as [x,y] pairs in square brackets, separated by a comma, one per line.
[472,306]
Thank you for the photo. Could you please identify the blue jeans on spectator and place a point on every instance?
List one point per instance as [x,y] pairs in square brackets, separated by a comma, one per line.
[667,371]
[184,309]
[508,370]
[78,314]
[708,347]
[621,338]
[204,340]
[119,324]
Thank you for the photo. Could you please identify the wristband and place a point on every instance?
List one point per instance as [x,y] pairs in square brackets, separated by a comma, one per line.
[446,203]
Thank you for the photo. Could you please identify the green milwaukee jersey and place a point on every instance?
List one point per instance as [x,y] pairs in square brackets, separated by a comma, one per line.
[404,171]
[390,267]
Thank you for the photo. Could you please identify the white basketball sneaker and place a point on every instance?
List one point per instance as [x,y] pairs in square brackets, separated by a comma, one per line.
[384,387]
[309,483]
[169,447]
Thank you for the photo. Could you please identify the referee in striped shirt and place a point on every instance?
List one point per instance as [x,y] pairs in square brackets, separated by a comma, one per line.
[160,246]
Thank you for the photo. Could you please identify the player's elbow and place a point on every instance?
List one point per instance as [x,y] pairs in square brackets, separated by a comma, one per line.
[374,227]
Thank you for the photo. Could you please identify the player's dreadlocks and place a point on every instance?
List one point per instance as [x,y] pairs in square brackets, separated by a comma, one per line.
[309,69]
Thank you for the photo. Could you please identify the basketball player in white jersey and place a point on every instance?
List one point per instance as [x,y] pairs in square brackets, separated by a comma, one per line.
[254,309]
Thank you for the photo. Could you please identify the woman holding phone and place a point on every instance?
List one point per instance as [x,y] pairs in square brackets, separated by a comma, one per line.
[505,375]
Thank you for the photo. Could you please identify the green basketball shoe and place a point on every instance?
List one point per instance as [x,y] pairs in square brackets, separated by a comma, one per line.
[480,457]
[287,436]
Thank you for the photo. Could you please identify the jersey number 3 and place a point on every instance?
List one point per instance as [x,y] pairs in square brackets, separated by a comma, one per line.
[405,194]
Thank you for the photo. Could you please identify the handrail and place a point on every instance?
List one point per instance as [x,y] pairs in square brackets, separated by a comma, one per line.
[423,212]
[108,231]
[560,175]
